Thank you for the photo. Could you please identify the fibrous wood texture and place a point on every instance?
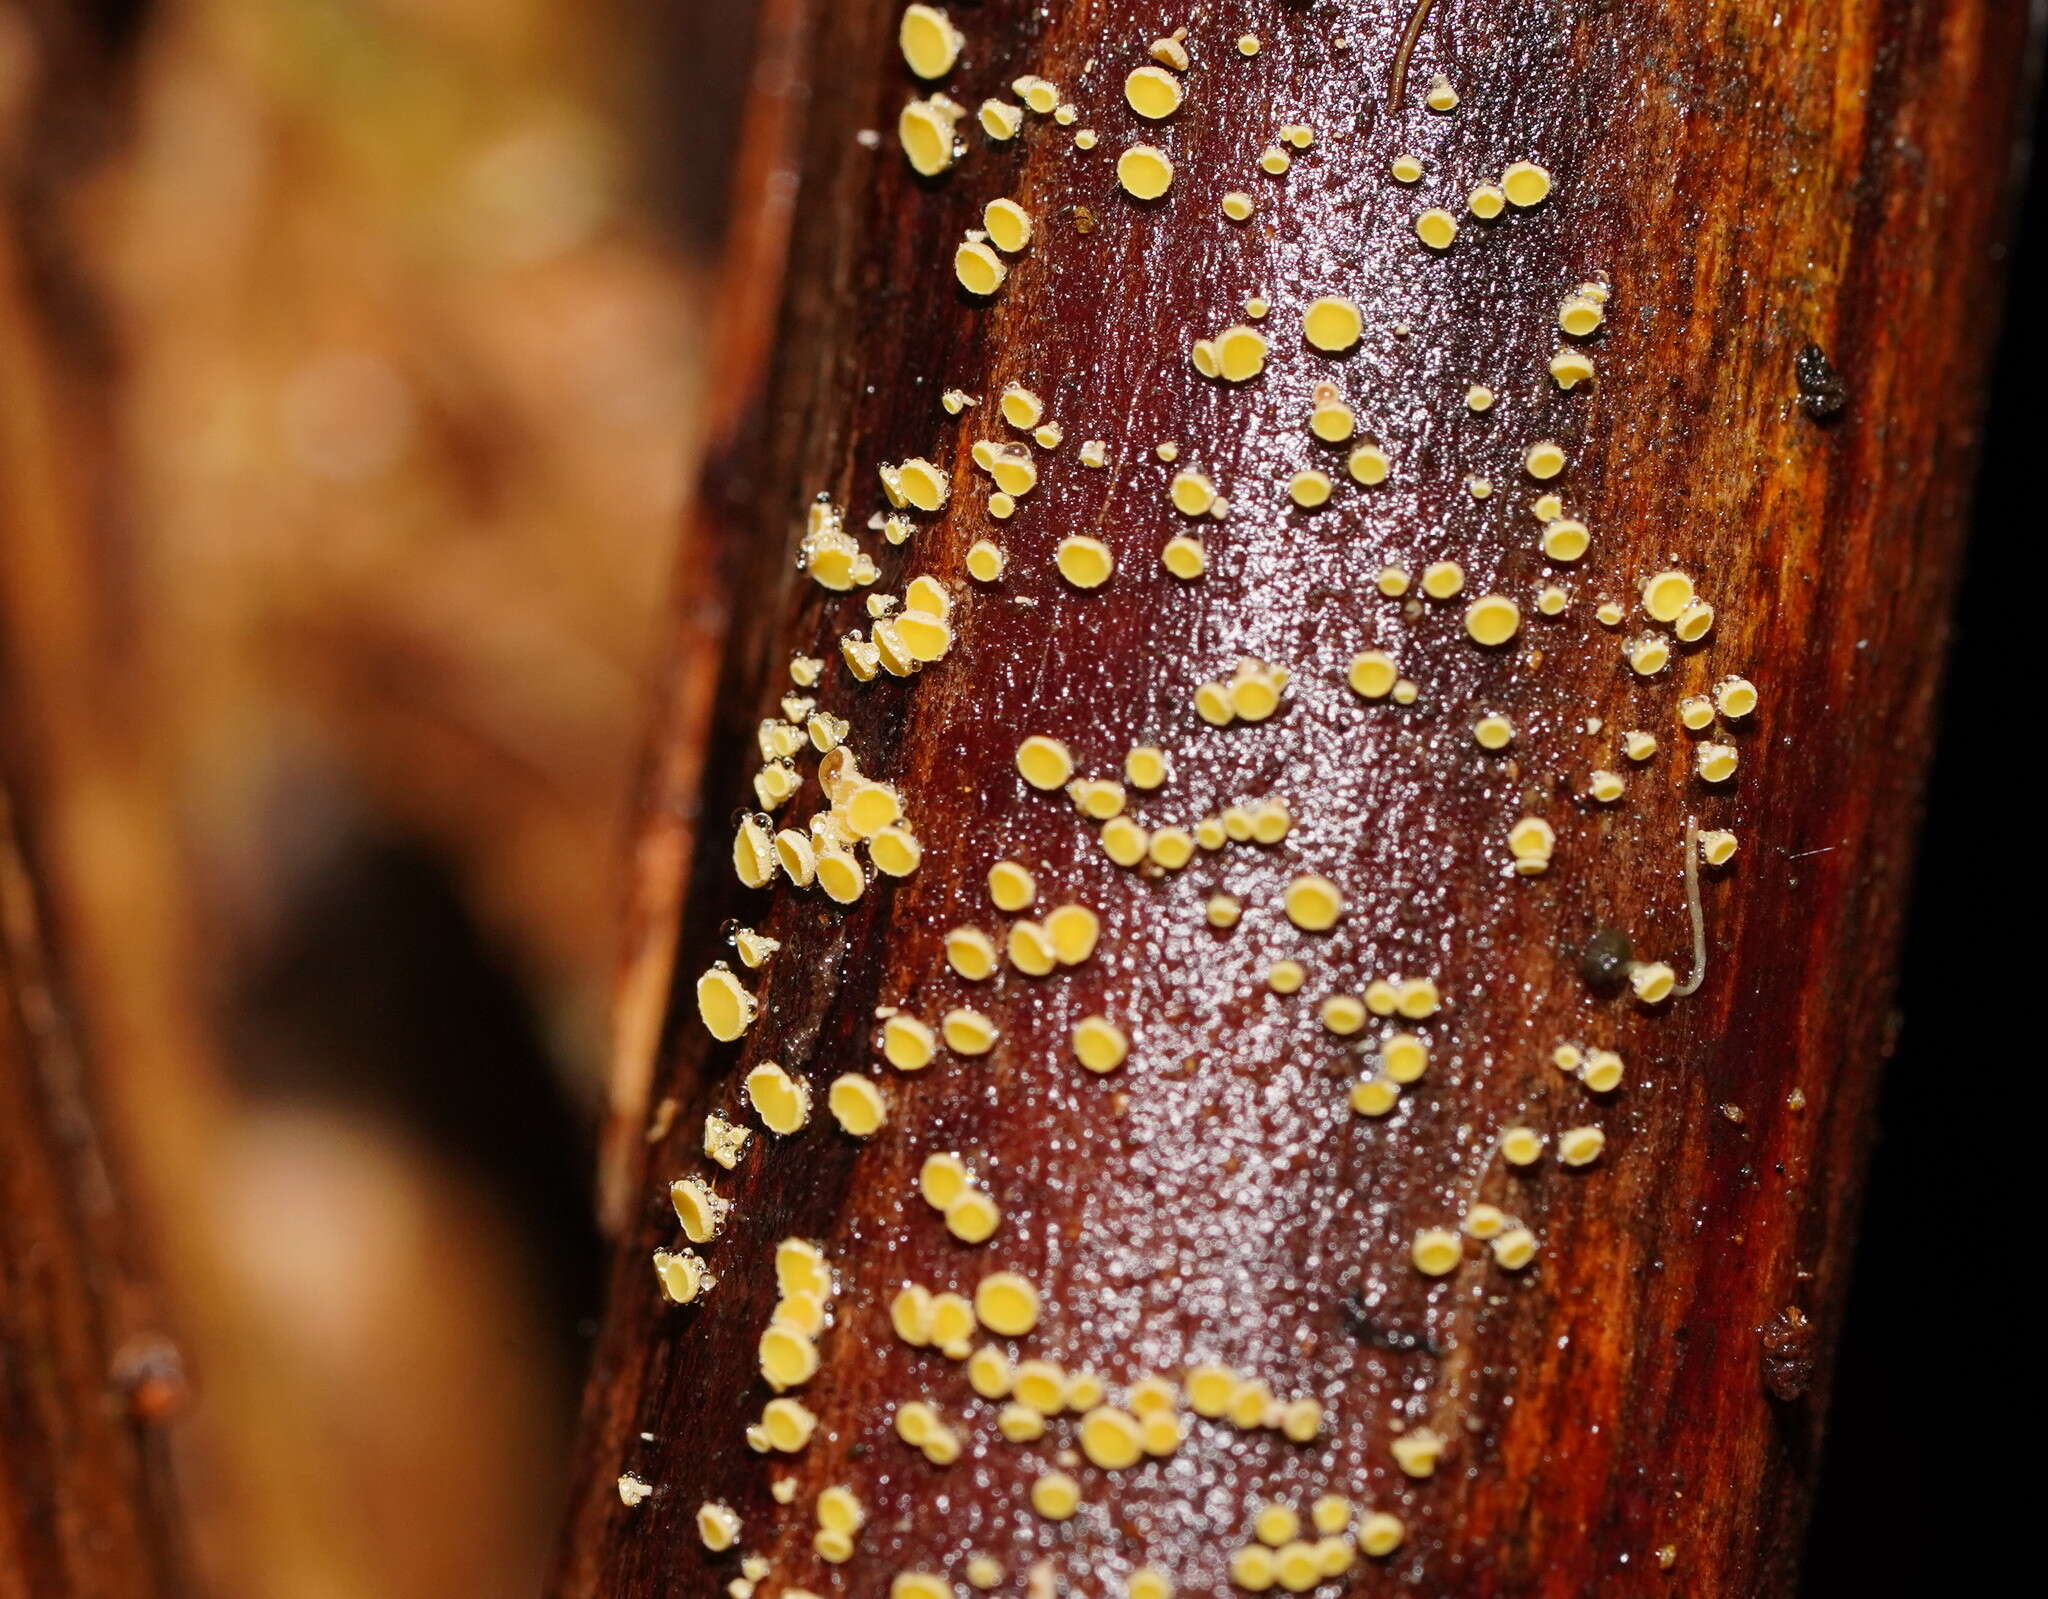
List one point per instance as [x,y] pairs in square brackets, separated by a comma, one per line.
[86,1373]
[1637,1410]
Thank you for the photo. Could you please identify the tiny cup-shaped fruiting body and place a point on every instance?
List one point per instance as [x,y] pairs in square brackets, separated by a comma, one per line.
[753,853]
[971,953]
[1030,948]
[718,1526]
[1073,930]
[1525,184]
[856,1104]
[1309,489]
[1652,981]
[725,1008]
[1145,767]
[1238,206]
[1332,324]
[1601,1071]
[1055,1496]
[1342,1014]
[1566,539]
[1144,171]
[1570,367]
[1486,201]
[1735,697]
[1256,690]
[1332,421]
[1483,1222]
[1084,562]
[943,1178]
[1111,1438]
[1417,1451]
[1006,1304]
[1010,886]
[1124,841]
[1021,407]
[1583,310]
[1191,492]
[1239,353]
[929,41]
[1436,1251]
[895,852]
[1443,580]
[1099,1044]
[907,1043]
[1514,1249]
[1544,459]
[781,1101]
[967,1032]
[1605,786]
[979,269]
[840,875]
[925,129]
[1253,1568]
[1437,229]
[1212,704]
[698,1208]
[1152,92]
[1715,762]
[788,1357]
[1521,1146]
[1647,654]
[1313,903]
[682,1275]
[1008,226]
[1492,619]
[1580,1146]
[1368,464]
[723,1141]
[1184,557]
[1097,797]
[1372,674]
[1532,841]
[1666,594]
[1493,732]
[1045,763]
[1405,1057]
[985,562]
[1375,1096]
[1380,1534]
[1717,848]
[1000,120]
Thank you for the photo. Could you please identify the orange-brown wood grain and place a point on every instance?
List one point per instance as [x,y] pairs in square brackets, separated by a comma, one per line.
[1638,1410]
[88,1377]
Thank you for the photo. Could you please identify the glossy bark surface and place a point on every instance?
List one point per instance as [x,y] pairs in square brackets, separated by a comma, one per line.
[1748,182]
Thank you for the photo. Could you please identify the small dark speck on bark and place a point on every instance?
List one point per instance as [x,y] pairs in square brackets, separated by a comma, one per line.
[1822,393]
[1788,1354]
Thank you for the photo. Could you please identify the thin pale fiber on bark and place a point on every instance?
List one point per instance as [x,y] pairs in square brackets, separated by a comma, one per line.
[1636,1409]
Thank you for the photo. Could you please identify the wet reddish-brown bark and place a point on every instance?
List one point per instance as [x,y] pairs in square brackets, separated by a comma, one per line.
[1638,1411]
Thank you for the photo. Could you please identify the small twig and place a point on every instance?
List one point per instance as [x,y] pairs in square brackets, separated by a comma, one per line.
[1397,86]
[1692,905]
